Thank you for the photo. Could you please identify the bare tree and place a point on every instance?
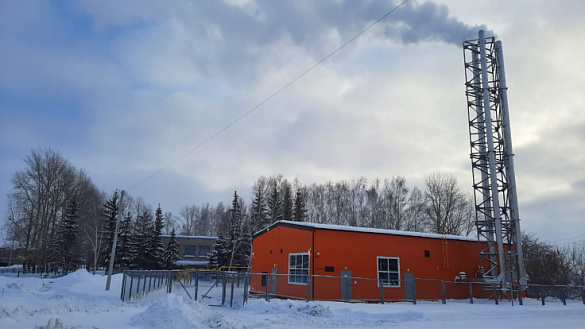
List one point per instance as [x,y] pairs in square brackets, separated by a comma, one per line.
[38,199]
[221,220]
[395,194]
[375,217]
[91,223]
[356,201]
[170,223]
[189,218]
[544,263]
[447,206]
[575,256]
[415,213]
[205,220]
[315,201]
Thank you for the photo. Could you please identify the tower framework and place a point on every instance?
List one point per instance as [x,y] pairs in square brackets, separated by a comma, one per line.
[497,219]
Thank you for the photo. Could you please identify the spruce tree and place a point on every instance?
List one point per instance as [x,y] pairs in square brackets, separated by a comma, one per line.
[287,202]
[171,255]
[109,214]
[143,241]
[260,217]
[125,249]
[236,226]
[157,247]
[274,203]
[235,217]
[221,254]
[214,262]
[243,246]
[300,209]
[66,253]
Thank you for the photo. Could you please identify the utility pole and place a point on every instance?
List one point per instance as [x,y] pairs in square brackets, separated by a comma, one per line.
[113,254]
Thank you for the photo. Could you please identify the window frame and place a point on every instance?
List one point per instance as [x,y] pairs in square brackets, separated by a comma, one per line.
[207,255]
[188,247]
[388,272]
[299,272]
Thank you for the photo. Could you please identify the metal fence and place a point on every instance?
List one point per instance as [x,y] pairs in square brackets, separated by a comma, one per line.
[560,292]
[136,284]
[358,289]
[214,288]
[223,288]
[20,271]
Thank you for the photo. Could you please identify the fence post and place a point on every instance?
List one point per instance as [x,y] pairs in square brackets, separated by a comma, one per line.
[542,294]
[470,293]
[196,284]
[144,284]
[520,300]
[381,284]
[130,290]
[309,283]
[232,292]
[123,286]
[443,296]
[223,288]
[564,294]
[246,278]
[583,295]
[346,288]
[413,291]
[496,295]
[138,285]
[268,285]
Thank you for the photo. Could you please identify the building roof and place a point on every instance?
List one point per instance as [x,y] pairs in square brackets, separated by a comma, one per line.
[192,262]
[190,236]
[313,226]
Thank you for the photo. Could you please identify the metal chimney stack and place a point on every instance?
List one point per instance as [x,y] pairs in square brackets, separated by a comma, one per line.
[492,165]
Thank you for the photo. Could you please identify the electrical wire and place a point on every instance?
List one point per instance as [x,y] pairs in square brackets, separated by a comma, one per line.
[568,243]
[254,108]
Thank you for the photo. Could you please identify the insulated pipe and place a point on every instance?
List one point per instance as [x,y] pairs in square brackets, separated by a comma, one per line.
[512,194]
[491,155]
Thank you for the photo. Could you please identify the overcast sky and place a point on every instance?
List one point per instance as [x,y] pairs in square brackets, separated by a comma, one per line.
[123,89]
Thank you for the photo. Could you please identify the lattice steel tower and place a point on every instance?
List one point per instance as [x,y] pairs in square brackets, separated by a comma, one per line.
[492,164]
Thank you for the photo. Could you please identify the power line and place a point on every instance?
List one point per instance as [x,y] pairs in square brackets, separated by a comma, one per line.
[567,243]
[268,98]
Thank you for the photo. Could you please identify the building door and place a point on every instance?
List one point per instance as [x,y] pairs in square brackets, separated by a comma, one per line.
[345,282]
[408,285]
[274,280]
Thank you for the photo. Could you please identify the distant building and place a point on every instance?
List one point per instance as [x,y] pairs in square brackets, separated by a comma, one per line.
[332,262]
[194,251]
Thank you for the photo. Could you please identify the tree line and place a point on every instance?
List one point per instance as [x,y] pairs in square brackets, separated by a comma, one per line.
[59,219]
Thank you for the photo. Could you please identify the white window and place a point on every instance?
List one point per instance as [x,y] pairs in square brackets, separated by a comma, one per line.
[389,271]
[190,251]
[204,251]
[298,268]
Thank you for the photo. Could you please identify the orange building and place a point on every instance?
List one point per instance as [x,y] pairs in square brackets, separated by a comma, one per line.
[331,262]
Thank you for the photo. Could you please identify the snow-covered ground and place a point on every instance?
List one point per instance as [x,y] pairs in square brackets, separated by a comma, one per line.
[79,300]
